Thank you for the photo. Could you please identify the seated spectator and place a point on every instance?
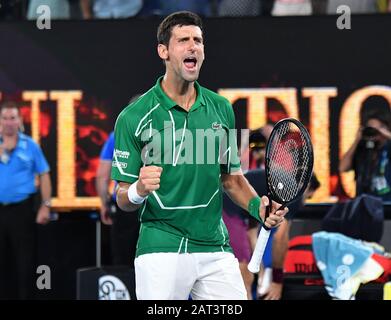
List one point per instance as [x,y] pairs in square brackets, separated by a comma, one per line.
[12,9]
[243,8]
[166,7]
[356,6]
[319,7]
[151,8]
[59,9]
[292,8]
[110,9]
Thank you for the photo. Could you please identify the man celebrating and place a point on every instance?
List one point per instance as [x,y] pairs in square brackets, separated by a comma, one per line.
[183,245]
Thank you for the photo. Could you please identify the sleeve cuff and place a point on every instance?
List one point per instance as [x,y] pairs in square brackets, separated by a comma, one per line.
[253,208]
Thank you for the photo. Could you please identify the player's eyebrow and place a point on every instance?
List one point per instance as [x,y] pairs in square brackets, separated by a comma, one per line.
[186,38]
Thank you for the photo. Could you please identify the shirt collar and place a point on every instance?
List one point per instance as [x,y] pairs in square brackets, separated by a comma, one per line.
[168,104]
[22,141]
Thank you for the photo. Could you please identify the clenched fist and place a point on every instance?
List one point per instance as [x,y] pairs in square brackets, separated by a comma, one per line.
[148,180]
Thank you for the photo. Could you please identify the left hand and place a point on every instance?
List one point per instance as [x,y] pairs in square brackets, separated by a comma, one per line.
[276,216]
[274,292]
[43,215]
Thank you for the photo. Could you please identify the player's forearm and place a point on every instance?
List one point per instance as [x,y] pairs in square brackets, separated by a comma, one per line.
[238,189]
[123,199]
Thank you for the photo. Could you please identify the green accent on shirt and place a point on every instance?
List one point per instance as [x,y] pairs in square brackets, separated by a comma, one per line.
[184,214]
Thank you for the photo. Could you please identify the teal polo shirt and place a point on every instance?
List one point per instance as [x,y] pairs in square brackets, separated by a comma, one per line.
[185,213]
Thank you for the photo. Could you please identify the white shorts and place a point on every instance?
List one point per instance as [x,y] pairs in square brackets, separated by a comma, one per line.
[174,276]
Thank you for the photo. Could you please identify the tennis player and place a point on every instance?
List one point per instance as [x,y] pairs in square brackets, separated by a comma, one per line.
[183,247]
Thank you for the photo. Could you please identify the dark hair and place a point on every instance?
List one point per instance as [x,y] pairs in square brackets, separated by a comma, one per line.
[9,105]
[376,107]
[180,18]
[257,140]
[382,117]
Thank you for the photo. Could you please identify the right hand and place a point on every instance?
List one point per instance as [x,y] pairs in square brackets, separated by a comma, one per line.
[104,215]
[148,180]
[276,216]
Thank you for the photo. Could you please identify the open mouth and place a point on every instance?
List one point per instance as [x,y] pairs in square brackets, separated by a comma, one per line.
[190,63]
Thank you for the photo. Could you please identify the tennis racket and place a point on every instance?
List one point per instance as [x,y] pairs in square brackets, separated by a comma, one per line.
[288,167]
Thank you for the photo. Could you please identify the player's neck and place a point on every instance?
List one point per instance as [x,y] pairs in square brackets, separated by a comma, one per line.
[180,91]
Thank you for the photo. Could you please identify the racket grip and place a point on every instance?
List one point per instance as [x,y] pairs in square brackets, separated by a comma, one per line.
[256,258]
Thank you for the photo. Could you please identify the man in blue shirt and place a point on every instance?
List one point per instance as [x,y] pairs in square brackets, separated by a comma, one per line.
[124,225]
[21,160]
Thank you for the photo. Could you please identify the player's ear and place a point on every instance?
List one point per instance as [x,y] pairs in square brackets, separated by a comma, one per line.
[162,50]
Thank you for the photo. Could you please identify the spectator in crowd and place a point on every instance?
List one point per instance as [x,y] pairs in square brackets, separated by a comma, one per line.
[166,7]
[369,155]
[279,248]
[253,154]
[124,226]
[15,9]
[110,9]
[244,8]
[384,5]
[292,8]
[59,9]
[319,7]
[356,6]
[238,223]
[21,160]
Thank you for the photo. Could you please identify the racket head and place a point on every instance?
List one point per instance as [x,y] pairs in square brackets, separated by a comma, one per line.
[289,160]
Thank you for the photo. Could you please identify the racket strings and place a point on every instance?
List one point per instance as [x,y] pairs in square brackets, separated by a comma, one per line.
[289,161]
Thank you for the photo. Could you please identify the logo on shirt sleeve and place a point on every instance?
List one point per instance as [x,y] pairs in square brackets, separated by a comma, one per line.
[121,154]
[119,164]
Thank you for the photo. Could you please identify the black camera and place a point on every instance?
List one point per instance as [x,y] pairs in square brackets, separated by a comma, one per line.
[370,132]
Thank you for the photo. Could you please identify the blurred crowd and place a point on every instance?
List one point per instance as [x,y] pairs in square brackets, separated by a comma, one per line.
[122,9]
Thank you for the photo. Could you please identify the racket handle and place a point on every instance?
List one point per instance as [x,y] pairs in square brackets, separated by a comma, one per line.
[256,258]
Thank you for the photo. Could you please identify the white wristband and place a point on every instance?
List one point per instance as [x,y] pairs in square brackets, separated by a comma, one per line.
[133,196]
